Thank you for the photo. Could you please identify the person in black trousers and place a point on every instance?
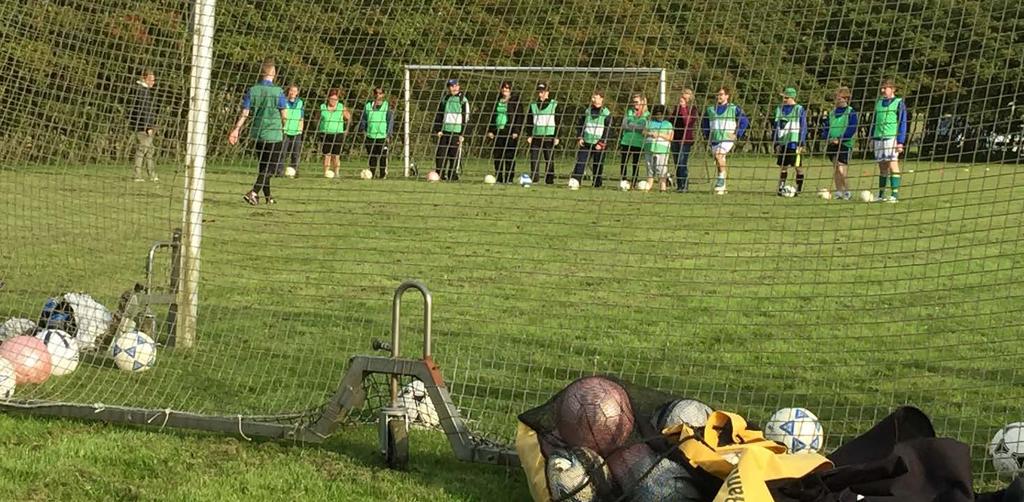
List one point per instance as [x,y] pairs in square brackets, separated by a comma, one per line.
[592,138]
[450,126]
[504,127]
[543,137]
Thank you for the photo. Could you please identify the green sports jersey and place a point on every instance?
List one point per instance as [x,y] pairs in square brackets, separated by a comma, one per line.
[332,121]
[266,117]
[658,145]
[293,116]
[376,120]
[632,128]
[837,125]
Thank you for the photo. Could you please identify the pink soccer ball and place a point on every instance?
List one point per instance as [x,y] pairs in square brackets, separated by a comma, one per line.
[30,358]
[595,412]
[433,176]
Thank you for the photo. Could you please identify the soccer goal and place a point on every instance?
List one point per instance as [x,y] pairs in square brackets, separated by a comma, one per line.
[423,87]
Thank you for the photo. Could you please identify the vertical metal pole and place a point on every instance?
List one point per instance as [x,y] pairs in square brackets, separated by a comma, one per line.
[407,88]
[195,171]
[662,86]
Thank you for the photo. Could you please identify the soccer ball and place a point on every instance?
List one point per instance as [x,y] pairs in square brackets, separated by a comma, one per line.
[1007,450]
[289,172]
[574,184]
[788,191]
[16,327]
[578,471]
[624,185]
[63,351]
[866,196]
[525,181]
[824,193]
[418,406]
[644,475]
[366,174]
[8,379]
[29,357]
[134,351]
[329,174]
[490,179]
[433,176]
[643,186]
[796,428]
[681,411]
[594,412]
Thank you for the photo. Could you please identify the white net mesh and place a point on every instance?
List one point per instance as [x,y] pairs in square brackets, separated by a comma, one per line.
[747,301]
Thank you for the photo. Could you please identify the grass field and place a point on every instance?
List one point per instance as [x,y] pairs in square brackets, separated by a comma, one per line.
[746,301]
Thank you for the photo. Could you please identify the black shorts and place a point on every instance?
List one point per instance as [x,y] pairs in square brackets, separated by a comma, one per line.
[838,150]
[332,144]
[787,157]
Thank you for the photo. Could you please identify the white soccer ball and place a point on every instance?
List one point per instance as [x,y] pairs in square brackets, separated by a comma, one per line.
[866,196]
[329,174]
[289,172]
[796,428]
[1007,450]
[134,351]
[490,179]
[643,186]
[525,181]
[574,184]
[432,176]
[63,350]
[91,317]
[16,326]
[788,191]
[418,406]
[366,174]
[624,185]
[824,193]
[691,412]
[8,379]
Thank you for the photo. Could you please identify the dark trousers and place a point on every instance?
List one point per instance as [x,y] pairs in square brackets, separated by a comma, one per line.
[291,153]
[377,149]
[447,159]
[596,158]
[504,155]
[542,147]
[682,151]
[627,153]
[269,156]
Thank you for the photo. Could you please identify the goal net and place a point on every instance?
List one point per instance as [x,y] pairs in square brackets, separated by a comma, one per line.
[748,301]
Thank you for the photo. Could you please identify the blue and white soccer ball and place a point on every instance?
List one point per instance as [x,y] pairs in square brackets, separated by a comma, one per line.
[1007,450]
[64,351]
[796,428]
[788,191]
[134,351]
[525,181]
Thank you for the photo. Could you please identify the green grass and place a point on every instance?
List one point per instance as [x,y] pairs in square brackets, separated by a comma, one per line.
[747,301]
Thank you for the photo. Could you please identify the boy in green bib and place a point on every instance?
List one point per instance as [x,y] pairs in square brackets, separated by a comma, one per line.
[889,134]
[842,127]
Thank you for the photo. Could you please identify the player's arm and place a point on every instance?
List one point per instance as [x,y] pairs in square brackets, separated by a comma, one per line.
[302,119]
[901,133]
[465,119]
[744,124]
[391,122]
[346,116]
[803,126]
[244,114]
[851,126]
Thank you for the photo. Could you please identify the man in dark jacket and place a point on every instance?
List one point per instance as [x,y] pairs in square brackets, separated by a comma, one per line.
[503,128]
[142,119]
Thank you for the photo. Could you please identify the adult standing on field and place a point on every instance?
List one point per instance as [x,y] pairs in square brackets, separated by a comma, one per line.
[504,128]
[333,117]
[790,133]
[543,135]
[291,154]
[722,125]
[378,121]
[632,140]
[592,139]
[142,119]
[684,120]
[842,127]
[889,135]
[451,124]
[266,103]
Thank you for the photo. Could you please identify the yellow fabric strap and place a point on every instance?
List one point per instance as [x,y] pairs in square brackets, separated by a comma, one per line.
[757,466]
[532,460]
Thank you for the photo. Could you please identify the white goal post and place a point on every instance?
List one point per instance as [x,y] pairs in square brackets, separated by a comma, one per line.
[409,68]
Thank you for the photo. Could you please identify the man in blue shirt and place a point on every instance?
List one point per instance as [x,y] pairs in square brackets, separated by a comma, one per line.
[267,104]
[889,134]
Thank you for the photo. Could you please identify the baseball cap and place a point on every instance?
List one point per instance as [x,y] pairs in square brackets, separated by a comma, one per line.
[542,86]
[789,92]
[453,81]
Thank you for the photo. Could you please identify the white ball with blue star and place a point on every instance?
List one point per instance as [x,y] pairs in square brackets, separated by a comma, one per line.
[1007,450]
[134,351]
[796,428]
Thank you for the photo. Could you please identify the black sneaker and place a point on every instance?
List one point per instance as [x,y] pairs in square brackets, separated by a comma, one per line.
[251,198]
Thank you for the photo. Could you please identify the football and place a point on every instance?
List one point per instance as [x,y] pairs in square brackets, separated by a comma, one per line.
[525,181]
[681,411]
[433,176]
[796,428]
[624,185]
[866,196]
[824,193]
[788,191]
[574,184]
[580,472]
[643,186]
[594,412]
[1007,450]
[134,351]
[7,379]
[643,474]
[16,327]
[289,172]
[418,406]
[329,174]
[490,179]
[29,357]
[63,351]
[366,174]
